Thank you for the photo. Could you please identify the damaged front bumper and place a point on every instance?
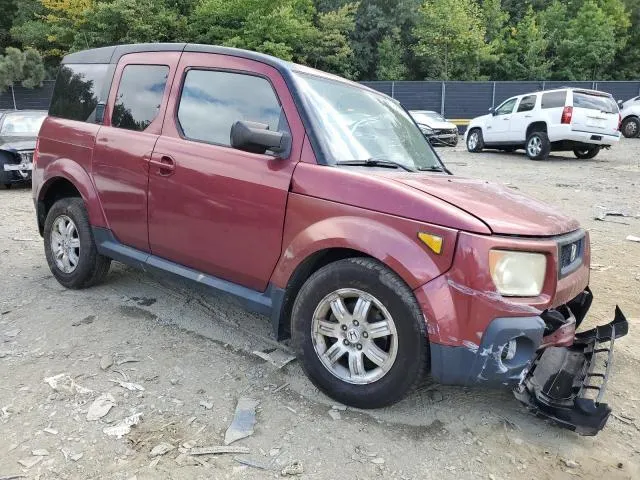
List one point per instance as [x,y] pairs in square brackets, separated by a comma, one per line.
[567,384]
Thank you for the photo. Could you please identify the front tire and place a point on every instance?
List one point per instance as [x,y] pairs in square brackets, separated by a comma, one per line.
[475,141]
[631,127]
[359,333]
[586,153]
[538,146]
[70,248]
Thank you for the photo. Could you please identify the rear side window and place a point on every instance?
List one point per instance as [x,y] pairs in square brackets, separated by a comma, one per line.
[594,102]
[527,103]
[77,91]
[554,99]
[139,96]
[213,101]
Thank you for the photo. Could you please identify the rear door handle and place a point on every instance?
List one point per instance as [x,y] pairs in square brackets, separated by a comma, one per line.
[505,118]
[166,165]
[528,116]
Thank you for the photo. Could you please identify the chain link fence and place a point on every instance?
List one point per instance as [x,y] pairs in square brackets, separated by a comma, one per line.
[459,101]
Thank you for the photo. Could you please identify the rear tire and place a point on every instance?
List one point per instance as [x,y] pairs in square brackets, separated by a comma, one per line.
[359,363]
[538,146]
[586,153]
[70,248]
[475,141]
[631,127]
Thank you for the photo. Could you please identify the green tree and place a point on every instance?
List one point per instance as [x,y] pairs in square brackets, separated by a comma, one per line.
[33,71]
[128,21]
[17,66]
[524,51]
[376,20]
[390,59]
[451,36]
[589,47]
[329,48]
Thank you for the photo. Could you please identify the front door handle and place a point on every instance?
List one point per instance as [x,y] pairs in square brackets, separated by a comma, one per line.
[528,116]
[166,165]
[505,118]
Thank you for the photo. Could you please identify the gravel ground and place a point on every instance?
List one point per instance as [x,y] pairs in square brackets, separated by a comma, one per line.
[191,352]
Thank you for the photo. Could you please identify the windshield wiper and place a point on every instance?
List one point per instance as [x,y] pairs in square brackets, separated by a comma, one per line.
[374,162]
[432,168]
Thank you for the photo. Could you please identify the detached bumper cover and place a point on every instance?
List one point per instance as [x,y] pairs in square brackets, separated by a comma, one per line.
[567,384]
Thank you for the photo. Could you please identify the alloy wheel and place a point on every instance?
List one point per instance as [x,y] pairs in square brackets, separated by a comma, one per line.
[354,336]
[534,147]
[472,142]
[65,244]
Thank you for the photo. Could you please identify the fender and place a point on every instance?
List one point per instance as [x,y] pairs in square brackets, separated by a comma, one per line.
[79,177]
[314,225]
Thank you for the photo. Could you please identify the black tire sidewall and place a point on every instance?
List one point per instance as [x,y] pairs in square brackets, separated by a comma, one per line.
[73,208]
[591,153]
[546,146]
[412,355]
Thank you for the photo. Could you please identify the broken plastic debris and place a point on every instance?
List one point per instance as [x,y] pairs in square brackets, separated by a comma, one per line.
[633,238]
[129,385]
[335,414]
[205,404]
[216,450]
[124,426]
[277,358]
[244,419]
[12,333]
[85,321]
[30,462]
[40,452]
[253,462]
[50,431]
[294,468]
[128,360]
[106,361]
[161,449]
[100,407]
[64,383]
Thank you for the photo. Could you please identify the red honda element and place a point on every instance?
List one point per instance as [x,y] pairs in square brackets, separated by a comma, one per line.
[318,202]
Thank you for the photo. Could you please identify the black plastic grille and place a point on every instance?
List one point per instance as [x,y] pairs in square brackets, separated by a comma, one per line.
[571,253]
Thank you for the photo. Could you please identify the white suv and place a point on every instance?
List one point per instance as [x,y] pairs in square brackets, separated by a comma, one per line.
[568,119]
[630,111]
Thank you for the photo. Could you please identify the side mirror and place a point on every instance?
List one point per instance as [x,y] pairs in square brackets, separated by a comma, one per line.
[257,138]
[492,111]
[620,103]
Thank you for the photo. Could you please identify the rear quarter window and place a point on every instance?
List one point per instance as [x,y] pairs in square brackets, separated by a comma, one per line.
[554,99]
[594,102]
[139,96]
[77,91]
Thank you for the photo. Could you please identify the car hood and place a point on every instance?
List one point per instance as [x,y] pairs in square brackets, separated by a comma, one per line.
[502,209]
[17,143]
[439,125]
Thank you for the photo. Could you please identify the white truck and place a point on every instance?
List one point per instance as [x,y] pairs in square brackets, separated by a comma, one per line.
[630,112]
[567,119]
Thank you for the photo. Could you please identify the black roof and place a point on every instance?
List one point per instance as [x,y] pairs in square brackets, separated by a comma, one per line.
[113,54]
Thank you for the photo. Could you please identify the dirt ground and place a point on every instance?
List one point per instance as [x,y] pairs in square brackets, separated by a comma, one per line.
[193,358]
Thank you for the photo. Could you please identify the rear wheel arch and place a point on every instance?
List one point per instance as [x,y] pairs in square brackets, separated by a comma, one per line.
[536,127]
[53,190]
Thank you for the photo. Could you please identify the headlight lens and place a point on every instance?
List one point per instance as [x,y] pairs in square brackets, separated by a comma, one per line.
[517,274]
[426,130]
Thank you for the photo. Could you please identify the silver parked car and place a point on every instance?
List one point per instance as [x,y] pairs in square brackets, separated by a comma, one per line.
[434,126]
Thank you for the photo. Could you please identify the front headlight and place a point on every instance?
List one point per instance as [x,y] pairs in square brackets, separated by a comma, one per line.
[517,274]
[426,130]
